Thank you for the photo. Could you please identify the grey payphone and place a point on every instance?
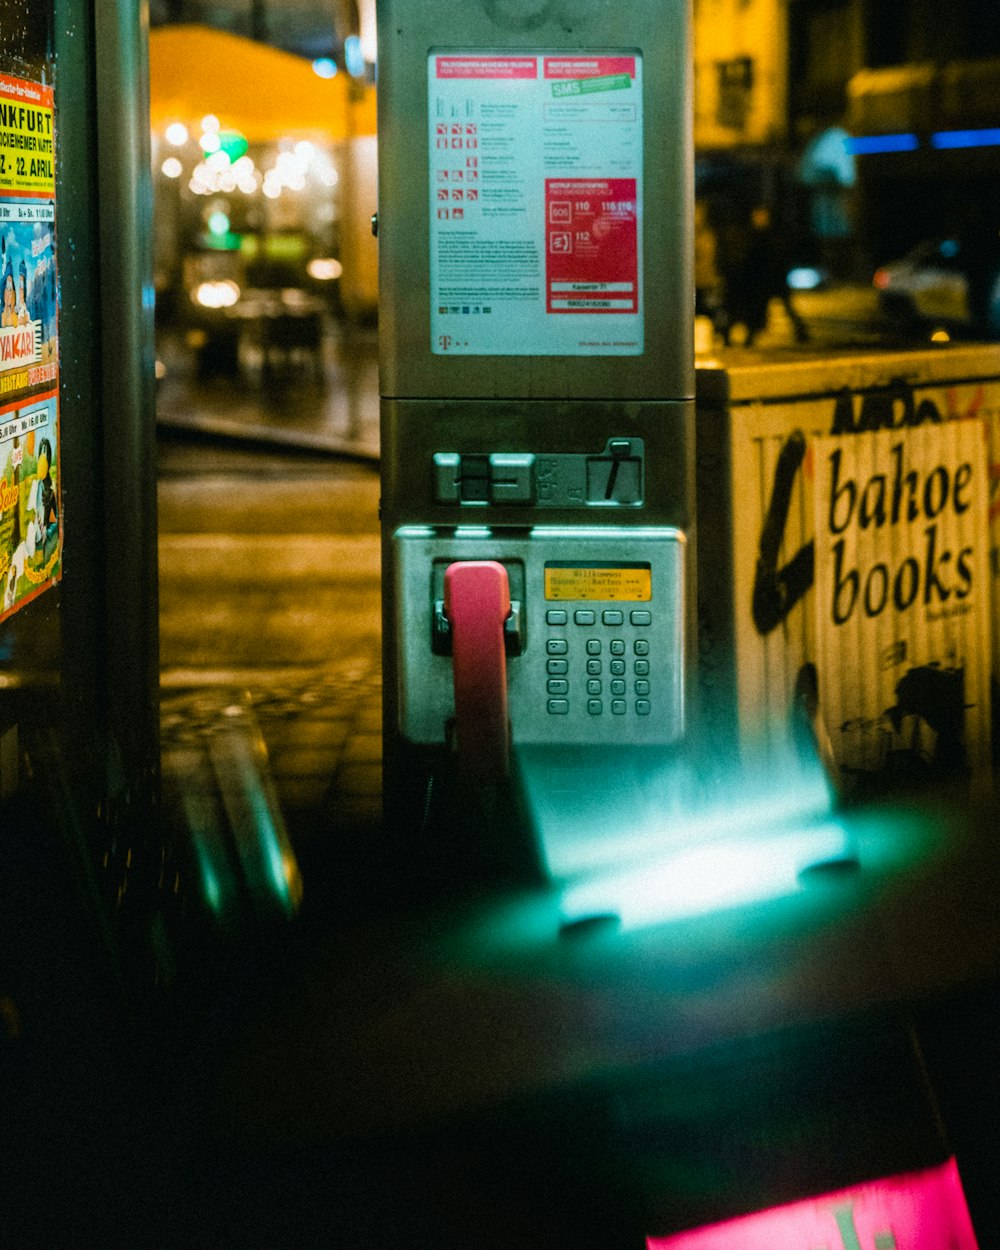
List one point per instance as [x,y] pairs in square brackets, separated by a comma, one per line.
[537,379]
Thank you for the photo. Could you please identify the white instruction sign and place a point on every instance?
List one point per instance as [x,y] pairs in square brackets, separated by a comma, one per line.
[536,204]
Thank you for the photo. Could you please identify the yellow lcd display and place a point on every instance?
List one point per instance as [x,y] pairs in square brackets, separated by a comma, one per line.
[606,582]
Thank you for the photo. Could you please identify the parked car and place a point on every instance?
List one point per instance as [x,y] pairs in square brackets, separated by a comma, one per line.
[929,287]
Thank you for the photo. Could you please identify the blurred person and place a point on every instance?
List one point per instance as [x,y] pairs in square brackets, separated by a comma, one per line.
[8,317]
[21,301]
[708,293]
[762,275]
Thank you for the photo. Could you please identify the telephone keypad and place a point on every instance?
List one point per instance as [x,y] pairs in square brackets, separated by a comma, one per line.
[584,658]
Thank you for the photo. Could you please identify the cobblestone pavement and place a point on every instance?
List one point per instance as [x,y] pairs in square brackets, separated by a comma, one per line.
[269,603]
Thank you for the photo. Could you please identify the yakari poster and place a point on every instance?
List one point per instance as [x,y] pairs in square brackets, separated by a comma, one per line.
[30,529]
[29,501]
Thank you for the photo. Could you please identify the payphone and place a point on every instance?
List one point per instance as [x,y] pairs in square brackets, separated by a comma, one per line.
[537,384]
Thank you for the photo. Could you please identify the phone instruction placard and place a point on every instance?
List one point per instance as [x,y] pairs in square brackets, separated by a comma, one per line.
[536,172]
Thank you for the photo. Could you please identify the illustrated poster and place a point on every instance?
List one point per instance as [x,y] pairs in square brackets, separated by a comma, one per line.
[536,184]
[30,513]
[903,600]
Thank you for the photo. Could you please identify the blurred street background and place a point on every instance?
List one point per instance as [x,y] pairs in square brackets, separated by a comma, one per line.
[847,198]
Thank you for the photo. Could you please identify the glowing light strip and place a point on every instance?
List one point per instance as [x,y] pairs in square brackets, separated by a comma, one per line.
[989,138]
[871,145]
[640,532]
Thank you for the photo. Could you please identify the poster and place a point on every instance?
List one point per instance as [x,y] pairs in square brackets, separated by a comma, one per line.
[903,600]
[758,647]
[30,513]
[536,184]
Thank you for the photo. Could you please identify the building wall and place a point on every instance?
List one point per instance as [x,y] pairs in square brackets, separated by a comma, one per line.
[740,64]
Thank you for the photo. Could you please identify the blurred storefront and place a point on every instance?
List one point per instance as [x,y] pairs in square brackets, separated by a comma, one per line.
[263,190]
[929,135]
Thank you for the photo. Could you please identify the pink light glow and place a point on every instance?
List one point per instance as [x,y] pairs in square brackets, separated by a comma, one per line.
[916,1211]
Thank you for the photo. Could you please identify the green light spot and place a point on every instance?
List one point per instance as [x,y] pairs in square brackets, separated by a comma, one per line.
[233,144]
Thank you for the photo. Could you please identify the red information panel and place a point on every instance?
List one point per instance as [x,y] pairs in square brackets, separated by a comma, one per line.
[585,69]
[592,257]
[916,1211]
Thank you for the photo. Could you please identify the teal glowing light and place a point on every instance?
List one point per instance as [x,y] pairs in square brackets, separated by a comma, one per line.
[324,67]
[655,805]
[218,223]
[751,862]
[234,144]
[269,867]
[354,57]
[804,278]
[697,879]
[214,871]
[268,860]
[541,532]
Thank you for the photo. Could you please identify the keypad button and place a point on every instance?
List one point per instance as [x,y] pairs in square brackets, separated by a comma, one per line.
[642,646]
[593,646]
[556,646]
[641,687]
[594,667]
[641,668]
[618,686]
[558,685]
[557,616]
[558,707]
[641,617]
[595,707]
[617,646]
[618,707]
[642,707]
[584,616]
[613,617]
[593,685]
[617,668]
[558,667]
